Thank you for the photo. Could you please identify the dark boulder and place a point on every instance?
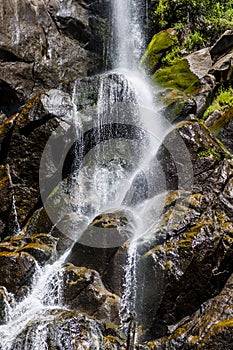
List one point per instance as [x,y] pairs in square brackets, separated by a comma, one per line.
[99,243]
[83,290]
[188,155]
[44,43]
[222,70]
[66,329]
[222,45]
[16,270]
[210,327]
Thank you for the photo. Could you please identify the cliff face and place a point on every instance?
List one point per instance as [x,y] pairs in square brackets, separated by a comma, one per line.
[46,42]
[184,294]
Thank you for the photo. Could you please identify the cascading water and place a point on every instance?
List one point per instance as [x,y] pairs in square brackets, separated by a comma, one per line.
[115,174]
[128,39]
[129,44]
[45,295]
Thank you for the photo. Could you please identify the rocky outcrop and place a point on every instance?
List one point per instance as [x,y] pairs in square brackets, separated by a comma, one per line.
[196,228]
[197,244]
[20,142]
[16,270]
[223,68]
[188,156]
[84,291]
[222,45]
[45,42]
[69,330]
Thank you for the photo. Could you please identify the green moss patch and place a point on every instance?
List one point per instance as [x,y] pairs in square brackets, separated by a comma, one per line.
[178,76]
[209,152]
[157,48]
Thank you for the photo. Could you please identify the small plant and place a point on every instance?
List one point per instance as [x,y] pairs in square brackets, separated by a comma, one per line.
[161,13]
[222,102]
[208,153]
[194,41]
[171,56]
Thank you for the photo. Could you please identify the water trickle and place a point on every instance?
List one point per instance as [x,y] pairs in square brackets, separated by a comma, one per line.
[128,299]
[17,229]
[17,32]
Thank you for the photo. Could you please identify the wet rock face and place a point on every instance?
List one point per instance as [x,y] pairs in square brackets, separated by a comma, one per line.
[16,270]
[196,226]
[208,328]
[197,244]
[45,42]
[64,329]
[99,244]
[5,300]
[83,290]
[186,265]
[52,111]
[22,153]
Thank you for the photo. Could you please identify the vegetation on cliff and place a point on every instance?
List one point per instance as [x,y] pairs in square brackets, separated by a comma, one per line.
[198,22]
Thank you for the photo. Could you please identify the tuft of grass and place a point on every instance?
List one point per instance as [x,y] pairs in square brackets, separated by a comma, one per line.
[222,102]
[208,153]
[194,41]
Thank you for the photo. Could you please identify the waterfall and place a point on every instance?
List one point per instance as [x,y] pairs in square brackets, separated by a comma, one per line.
[129,44]
[128,38]
[117,173]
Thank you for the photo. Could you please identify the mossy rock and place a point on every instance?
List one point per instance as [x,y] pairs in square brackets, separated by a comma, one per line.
[41,252]
[224,119]
[178,77]
[157,48]
[196,244]
[84,291]
[177,87]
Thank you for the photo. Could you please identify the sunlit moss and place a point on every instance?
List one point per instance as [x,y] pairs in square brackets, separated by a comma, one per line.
[157,47]
[177,76]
